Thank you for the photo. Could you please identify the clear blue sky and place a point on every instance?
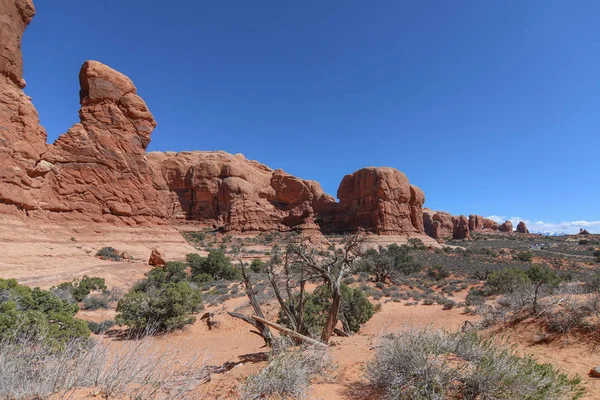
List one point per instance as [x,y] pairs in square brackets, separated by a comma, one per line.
[491,107]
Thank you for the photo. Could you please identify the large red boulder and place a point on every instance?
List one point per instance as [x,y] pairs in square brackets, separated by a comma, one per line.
[378,200]
[522,228]
[506,227]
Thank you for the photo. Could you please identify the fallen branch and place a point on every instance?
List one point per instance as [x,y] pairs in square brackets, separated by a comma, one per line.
[340,332]
[288,331]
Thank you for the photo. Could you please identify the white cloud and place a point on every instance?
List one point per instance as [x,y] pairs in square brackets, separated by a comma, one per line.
[571,227]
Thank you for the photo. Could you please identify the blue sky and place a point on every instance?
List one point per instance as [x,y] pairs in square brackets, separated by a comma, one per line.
[490,107]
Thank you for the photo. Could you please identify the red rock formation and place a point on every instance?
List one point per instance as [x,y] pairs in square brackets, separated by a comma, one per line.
[475,222]
[99,170]
[22,139]
[460,227]
[437,224]
[506,227]
[157,258]
[522,228]
[490,224]
[235,194]
[378,200]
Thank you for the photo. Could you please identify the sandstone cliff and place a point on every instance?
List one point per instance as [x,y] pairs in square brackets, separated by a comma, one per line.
[99,170]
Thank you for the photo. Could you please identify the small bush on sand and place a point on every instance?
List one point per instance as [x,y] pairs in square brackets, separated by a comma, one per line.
[216,264]
[96,301]
[100,327]
[80,288]
[507,280]
[434,364]
[164,308]
[109,253]
[288,374]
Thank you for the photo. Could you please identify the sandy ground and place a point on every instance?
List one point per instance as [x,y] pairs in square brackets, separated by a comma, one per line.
[38,254]
[44,255]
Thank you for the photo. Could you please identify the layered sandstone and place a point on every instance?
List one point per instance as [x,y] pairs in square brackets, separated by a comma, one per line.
[235,194]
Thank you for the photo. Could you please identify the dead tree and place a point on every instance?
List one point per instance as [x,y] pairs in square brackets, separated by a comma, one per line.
[331,268]
[263,330]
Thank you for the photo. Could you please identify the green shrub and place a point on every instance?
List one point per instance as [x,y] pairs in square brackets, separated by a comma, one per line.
[108,253]
[526,256]
[257,265]
[81,288]
[25,312]
[163,308]
[507,280]
[355,309]
[438,272]
[217,265]
[100,327]
[96,301]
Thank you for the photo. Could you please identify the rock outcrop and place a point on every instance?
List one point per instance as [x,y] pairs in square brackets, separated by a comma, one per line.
[378,200]
[460,228]
[99,171]
[583,231]
[490,224]
[522,227]
[506,227]
[235,194]
[157,258]
[476,222]
[438,224]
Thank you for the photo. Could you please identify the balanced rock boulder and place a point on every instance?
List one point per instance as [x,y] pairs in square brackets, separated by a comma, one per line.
[460,228]
[379,200]
[522,227]
[506,227]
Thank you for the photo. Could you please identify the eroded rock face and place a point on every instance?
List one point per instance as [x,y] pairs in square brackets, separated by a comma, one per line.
[506,227]
[438,224]
[99,170]
[475,222]
[490,224]
[235,194]
[460,228]
[378,200]
[522,228]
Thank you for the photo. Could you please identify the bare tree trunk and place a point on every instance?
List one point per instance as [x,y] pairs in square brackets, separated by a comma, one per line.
[264,330]
[332,317]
